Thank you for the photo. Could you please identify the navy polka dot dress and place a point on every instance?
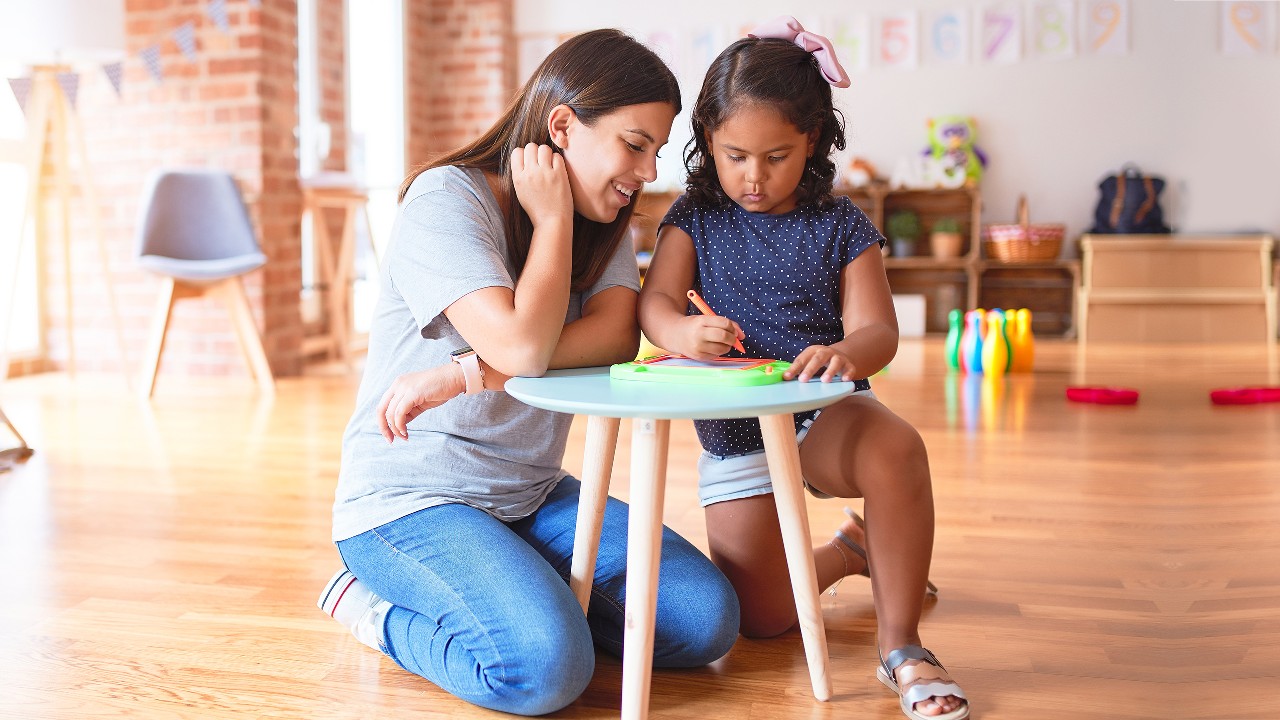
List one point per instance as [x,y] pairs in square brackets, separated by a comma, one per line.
[778,276]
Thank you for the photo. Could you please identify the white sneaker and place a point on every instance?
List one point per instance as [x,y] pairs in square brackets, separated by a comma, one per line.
[353,604]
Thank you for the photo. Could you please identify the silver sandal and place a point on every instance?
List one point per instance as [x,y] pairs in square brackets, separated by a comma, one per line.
[920,682]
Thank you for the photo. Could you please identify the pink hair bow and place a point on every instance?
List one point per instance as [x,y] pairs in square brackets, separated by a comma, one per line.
[785,27]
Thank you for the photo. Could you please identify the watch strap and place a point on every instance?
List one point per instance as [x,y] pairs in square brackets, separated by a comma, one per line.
[471,372]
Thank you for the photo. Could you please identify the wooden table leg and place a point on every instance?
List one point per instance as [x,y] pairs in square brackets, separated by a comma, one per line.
[597,466]
[644,551]
[783,456]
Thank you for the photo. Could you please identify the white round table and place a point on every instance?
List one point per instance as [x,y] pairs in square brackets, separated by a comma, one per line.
[590,392]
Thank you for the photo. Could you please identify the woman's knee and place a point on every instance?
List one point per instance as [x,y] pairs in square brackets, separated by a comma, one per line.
[701,622]
[542,670]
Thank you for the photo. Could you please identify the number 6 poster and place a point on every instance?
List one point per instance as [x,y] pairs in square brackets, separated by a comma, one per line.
[945,36]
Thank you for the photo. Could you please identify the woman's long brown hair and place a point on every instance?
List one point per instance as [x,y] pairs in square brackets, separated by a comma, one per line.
[594,74]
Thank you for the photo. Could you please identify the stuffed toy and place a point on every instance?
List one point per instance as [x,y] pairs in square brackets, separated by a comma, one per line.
[861,173]
[951,140]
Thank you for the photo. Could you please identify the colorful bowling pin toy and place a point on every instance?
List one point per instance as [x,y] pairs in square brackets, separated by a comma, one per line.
[1022,341]
[995,347]
[971,342]
[955,328]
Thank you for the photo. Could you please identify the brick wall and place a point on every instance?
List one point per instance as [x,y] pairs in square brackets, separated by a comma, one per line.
[234,107]
[332,52]
[460,69]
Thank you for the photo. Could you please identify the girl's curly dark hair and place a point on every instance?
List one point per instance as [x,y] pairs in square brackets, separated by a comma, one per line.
[784,76]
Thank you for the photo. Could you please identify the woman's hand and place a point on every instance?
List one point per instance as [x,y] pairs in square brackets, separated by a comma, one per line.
[414,393]
[706,337]
[542,184]
[811,361]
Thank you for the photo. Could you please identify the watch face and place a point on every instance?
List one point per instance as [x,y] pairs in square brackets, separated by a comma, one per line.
[464,350]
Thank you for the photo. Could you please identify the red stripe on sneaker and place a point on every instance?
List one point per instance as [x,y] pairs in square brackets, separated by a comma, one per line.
[344,592]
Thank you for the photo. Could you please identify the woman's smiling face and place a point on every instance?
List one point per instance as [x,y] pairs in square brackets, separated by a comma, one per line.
[613,158]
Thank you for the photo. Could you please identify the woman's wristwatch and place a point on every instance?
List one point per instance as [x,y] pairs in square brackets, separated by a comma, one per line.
[471,370]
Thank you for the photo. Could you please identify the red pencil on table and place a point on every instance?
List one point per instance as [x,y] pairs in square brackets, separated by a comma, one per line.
[705,309]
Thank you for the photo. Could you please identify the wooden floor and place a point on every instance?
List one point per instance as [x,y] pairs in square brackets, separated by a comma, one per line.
[163,559]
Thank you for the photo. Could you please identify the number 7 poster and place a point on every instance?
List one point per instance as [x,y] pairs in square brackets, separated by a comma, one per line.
[1001,33]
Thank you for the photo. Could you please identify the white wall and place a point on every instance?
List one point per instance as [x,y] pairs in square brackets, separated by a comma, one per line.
[1174,105]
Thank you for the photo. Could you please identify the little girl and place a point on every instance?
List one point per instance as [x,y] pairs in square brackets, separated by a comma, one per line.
[782,263]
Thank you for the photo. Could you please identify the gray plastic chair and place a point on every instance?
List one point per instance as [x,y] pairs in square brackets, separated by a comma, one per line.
[194,231]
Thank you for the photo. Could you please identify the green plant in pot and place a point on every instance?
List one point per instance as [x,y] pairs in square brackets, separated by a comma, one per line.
[903,229]
[945,239]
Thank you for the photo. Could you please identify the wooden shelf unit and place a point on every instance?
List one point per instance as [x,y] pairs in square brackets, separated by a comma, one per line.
[946,283]
[1170,288]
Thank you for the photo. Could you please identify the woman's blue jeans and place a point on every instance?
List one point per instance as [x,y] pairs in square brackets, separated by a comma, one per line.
[483,608]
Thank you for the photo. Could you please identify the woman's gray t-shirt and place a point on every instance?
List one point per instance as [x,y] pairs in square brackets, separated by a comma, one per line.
[489,451]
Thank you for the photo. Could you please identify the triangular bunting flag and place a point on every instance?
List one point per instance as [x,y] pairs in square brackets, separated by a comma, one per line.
[70,84]
[186,37]
[21,91]
[115,73]
[217,12]
[151,58]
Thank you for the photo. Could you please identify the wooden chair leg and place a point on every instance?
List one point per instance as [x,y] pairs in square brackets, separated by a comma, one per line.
[783,456]
[232,292]
[159,329]
[597,467]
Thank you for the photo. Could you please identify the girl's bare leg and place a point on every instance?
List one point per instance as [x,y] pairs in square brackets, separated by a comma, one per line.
[858,447]
[746,544]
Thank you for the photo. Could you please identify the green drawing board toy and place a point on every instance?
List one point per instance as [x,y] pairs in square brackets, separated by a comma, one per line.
[722,372]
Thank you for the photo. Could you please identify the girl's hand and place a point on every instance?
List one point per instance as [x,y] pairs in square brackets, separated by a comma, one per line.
[414,393]
[542,184]
[811,361]
[706,337]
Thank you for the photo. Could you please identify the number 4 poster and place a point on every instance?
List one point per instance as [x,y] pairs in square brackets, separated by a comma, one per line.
[1246,28]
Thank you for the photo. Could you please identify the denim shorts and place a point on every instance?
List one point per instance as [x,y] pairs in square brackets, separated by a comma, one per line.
[732,477]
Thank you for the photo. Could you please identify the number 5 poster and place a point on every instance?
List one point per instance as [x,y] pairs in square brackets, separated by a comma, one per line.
[897,41]
[1246,29]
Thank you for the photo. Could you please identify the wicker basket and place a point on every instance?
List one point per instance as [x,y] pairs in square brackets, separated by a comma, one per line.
[1024,242]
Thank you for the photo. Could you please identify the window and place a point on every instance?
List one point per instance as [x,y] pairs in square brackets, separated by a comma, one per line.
[376,113]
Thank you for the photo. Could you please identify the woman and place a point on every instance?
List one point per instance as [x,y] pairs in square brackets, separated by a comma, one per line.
[507,258]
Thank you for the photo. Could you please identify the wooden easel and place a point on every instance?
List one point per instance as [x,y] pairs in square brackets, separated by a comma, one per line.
[14,454]
[52,126]
[336,265]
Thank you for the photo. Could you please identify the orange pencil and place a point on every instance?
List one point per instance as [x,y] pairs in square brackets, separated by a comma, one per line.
[705,309]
